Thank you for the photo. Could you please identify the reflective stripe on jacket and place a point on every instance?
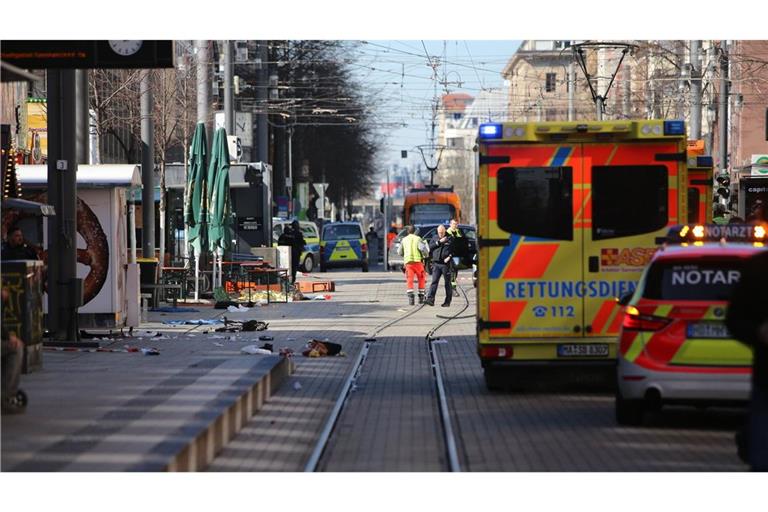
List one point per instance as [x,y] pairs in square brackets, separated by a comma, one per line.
[411,252]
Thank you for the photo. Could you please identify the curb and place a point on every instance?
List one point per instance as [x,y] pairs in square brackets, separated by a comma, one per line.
[199,452]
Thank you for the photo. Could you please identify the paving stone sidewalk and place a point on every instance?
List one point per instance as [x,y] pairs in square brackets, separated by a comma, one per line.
[118,411]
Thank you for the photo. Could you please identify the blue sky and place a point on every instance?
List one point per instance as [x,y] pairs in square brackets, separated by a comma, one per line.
[399,71]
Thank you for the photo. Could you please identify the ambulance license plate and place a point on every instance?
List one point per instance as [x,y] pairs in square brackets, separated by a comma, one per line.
[710,330]
[583,350]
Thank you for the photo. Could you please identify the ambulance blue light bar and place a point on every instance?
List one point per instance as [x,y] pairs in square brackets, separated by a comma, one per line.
[674,127]
[490,131]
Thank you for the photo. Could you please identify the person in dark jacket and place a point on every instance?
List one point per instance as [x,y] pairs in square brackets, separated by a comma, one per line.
[460,250]
[16,249]
[292,237]
[747,319]
[441,252]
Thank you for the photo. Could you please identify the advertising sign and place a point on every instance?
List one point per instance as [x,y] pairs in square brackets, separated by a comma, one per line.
[759,165]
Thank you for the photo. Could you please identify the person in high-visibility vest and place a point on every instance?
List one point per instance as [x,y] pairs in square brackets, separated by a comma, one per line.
[411,248]
[459,251]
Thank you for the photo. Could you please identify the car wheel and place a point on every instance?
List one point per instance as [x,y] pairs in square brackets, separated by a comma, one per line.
[629,412]
[309,263]
[323,268]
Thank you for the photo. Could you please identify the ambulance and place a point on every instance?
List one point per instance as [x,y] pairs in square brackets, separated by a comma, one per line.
[674,346]
[568,215]
[700,183]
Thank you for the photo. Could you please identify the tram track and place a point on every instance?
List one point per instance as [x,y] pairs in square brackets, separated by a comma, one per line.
[446,425]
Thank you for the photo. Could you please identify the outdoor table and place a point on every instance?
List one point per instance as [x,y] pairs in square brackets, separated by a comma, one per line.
[175,276]
[258,270]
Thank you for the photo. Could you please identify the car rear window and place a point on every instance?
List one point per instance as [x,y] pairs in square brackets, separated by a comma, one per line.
[701,280]
[342,232]
[308,231]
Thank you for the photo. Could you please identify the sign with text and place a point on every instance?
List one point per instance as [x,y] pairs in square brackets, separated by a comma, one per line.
[118,54]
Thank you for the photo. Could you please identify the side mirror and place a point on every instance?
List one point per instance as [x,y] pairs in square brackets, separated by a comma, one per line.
[624,299]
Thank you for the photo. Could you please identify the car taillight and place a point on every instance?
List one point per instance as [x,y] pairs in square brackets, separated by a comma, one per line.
[364,247]
[322,249]
[636,321]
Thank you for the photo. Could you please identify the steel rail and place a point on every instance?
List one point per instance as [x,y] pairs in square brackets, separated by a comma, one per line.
[325,435]
[442,396]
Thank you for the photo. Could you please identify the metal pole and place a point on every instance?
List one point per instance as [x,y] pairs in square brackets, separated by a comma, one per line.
[229,78]
[81,115]
[133,226]
[203,116]
[386,224]
[147,167]
[571,90]
[262,128]
[723,115]
[681,82]
[599,105]
[602,84]
[62,193]
[322,199]
[695,90]
[290,171]
[203,87]
[627,85]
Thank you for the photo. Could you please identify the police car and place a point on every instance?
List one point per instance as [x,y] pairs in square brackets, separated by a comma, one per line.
[310,256]
[342,244]
[674,346]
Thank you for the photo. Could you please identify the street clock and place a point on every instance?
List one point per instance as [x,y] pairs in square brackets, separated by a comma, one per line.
[125,48]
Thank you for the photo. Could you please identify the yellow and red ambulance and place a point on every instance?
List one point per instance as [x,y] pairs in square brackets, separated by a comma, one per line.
[700,183]
[568,216]
[674,346]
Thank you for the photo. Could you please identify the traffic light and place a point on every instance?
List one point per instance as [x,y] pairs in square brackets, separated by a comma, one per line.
[724,185]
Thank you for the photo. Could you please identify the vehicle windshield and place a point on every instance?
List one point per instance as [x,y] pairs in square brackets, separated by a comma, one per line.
[342,232]
[420,230]
[432,213]
[700,280]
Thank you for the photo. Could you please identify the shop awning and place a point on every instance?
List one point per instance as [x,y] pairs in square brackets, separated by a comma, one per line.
[88,176]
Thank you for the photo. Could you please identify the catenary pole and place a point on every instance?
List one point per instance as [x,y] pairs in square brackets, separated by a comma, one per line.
[147,168]
[63,300]
[723,104]
[571,90]
[695,50]
[229,78]
[81,116]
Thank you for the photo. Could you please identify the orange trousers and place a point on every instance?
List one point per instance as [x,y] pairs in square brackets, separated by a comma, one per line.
[415,269]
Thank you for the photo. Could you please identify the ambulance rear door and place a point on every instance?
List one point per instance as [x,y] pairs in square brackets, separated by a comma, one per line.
[633,193]
[530,252]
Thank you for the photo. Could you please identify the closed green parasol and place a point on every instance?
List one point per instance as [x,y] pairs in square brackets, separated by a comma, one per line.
[196,197]
[220,203]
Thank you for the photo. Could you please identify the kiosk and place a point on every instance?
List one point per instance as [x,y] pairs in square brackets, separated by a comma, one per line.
[110,282]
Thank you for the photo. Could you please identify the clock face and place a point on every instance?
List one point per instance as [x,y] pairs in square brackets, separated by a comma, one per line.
[125,48]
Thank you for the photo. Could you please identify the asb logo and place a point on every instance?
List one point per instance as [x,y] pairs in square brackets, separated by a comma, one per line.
[634,257]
